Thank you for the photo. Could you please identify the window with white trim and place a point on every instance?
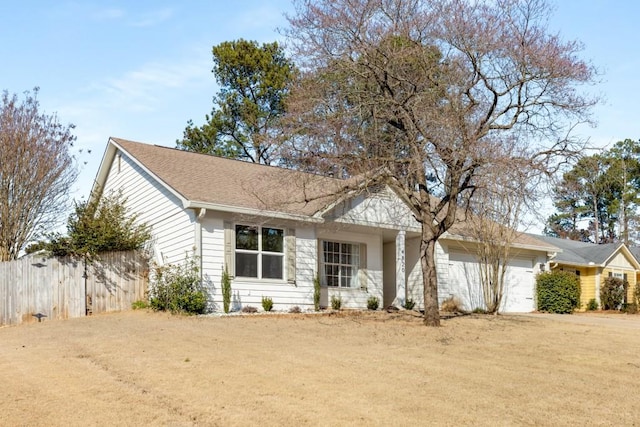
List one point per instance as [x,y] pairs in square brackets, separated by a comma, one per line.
[259,252]
[339,264]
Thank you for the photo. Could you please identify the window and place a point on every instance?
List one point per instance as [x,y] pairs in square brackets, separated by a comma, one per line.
[340,262]
[259,252]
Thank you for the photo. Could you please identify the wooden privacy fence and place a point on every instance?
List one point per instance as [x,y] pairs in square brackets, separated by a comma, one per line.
[62,288]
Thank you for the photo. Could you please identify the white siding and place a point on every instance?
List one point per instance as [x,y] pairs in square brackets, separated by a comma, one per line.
[620,261]
[414,271]
[172,227]
[357,297]
[249,292]
[415,285]
[382,210]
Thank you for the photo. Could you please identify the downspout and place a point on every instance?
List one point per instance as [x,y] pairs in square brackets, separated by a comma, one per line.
[200,214]
[597,280]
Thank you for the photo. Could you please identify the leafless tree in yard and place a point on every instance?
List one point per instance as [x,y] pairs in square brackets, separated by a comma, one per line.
[36,171]
[430,94]
[497,212]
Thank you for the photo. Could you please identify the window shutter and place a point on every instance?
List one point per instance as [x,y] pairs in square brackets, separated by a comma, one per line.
[320,261]
[362,268]
[290,243]
[229,243]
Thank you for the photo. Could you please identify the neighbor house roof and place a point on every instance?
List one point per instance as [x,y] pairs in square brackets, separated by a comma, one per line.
[206,181]
[586,254]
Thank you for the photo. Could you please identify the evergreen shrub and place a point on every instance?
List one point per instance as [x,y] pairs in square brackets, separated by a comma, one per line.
[558,291]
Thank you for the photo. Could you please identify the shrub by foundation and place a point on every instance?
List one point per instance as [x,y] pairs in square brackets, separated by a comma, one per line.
[592,305]
[178,288]
[267,303]
[336,302]
[612,293]
[558,292]
[226,290]
[409,304]
[316,292]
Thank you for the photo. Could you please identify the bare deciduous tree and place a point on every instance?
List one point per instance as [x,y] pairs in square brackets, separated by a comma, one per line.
[429,93]
[497,212]
[36,171]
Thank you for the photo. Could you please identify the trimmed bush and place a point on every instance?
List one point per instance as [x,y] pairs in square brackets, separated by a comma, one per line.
[592,305]
[558,292]
[409,304]
[373,303]
[267,303]
[612,293]
[336,302]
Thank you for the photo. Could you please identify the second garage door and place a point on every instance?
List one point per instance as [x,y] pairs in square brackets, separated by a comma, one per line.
[464,283]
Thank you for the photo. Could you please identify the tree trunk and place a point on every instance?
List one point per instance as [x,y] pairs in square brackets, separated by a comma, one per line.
[429,277]
[596,221]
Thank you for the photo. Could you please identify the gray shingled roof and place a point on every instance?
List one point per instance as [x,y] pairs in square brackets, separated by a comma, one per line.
[581,253]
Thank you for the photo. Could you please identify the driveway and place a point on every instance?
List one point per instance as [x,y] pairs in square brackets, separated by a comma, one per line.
[613,320]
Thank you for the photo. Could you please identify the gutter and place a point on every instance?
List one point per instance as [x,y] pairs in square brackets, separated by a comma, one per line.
[190,204]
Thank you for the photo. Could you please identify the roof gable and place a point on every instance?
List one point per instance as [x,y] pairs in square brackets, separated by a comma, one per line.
[205,181]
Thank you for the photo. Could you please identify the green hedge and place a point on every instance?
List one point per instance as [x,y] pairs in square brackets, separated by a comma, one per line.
[558,292]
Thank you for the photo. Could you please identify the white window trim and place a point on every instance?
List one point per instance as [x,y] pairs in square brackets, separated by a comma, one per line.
[355,277]
[260,252]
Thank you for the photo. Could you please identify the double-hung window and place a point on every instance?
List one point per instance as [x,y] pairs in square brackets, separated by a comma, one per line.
[259,252]
[339,264]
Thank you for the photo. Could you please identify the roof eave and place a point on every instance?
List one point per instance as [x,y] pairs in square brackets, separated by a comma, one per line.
[194,204]
[104,168]
[548,249]
[578,264]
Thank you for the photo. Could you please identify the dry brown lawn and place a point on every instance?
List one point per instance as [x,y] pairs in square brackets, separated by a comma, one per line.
[144,368]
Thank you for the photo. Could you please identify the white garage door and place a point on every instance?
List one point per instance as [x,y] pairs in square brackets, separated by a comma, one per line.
[464,283]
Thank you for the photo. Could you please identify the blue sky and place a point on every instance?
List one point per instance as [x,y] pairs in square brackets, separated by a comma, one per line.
[140,69]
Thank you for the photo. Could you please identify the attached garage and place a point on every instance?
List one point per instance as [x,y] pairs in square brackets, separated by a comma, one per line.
[464,283]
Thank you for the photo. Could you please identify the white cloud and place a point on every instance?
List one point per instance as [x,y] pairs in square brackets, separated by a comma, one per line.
[147,87]
[152,18]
